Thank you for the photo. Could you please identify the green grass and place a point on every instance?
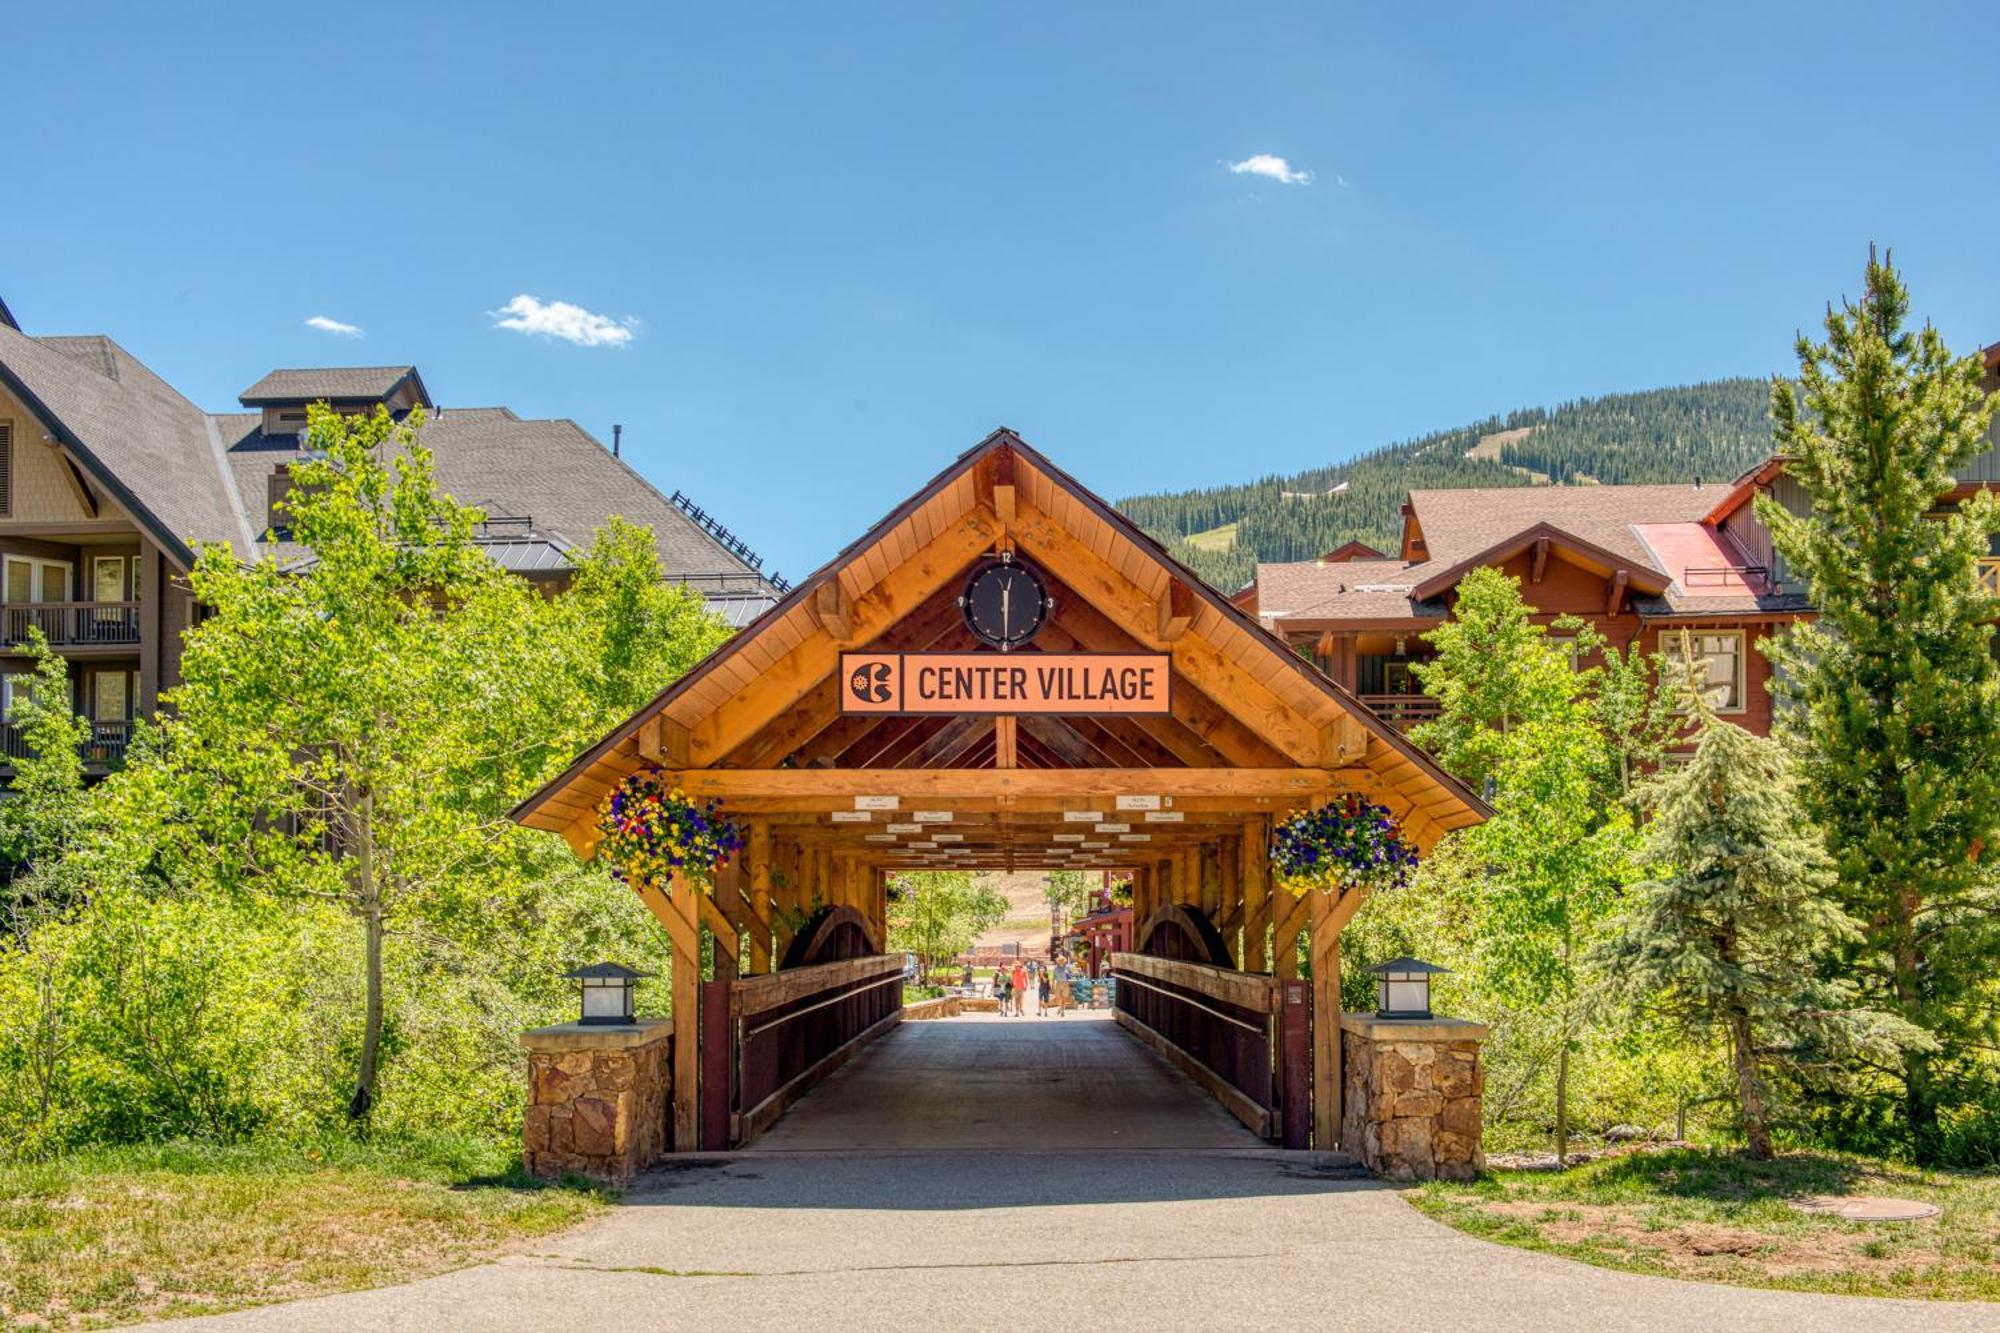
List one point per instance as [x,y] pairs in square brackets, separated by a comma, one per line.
[114,1236]
[1719,1217]
[1215,539]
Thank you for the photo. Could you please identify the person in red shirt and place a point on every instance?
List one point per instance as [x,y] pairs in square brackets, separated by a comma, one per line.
[1020,988]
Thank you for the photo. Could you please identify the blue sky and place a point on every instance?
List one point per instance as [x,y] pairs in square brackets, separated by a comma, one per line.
[833,245]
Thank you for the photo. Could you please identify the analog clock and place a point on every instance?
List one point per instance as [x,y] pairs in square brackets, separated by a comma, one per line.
[1005,604]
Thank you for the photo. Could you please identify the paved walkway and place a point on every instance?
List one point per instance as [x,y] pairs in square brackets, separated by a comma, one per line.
[1016,1223]
[986,1083]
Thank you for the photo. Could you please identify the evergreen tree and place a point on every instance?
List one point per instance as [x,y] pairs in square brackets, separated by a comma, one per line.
[1726,938]
[1893,696]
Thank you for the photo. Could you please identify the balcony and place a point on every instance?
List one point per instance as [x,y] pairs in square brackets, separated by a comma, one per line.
[1402,711]
[70,624]
[105,748]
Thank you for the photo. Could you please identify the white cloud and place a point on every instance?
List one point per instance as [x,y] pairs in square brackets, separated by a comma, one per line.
[1272,166]
[339,330]
[560,319]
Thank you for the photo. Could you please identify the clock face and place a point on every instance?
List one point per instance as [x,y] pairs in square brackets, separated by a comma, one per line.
[1005,604]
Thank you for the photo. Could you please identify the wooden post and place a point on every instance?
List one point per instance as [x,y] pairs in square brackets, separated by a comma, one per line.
[1254,873]
[759,852]
[1288,915]
[1005,748]
[1325,1021]
[684,929]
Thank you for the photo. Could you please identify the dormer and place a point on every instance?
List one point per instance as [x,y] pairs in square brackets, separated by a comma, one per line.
[283,395]
[1414,548]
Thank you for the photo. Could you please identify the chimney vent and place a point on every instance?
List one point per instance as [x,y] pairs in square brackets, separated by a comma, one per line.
[617,436]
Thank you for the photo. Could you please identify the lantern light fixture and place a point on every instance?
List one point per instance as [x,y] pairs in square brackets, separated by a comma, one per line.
[607,993]
[1403,987]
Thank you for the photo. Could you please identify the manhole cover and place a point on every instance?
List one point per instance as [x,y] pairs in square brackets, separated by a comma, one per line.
[1868,1208]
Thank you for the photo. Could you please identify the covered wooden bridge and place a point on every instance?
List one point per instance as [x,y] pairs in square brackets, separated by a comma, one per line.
[1004,673]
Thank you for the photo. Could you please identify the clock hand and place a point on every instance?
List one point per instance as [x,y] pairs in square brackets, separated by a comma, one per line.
[1006,615]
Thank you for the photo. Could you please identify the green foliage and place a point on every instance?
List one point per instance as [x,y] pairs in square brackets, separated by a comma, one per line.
[1554,744]
[43,821]
[1727,939]
[1892,700]
[1665,435]
[301,897]
[937,914]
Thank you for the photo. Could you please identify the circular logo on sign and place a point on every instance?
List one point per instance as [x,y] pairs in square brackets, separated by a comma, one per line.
[870,683]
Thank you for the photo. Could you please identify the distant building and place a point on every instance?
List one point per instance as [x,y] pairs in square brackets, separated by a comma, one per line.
[1648,565]
[110,479]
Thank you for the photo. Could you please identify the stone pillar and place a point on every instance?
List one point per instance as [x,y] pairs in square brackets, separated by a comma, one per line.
[597,1098]
[1413,1088]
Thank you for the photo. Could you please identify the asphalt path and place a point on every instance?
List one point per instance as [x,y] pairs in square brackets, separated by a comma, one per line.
[835,1226]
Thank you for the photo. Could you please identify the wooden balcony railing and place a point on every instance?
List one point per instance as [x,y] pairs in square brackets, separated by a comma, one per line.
[1402,710]
[70,624]
[106,744]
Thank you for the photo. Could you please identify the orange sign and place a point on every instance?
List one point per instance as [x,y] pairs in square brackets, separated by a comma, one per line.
[1076,683]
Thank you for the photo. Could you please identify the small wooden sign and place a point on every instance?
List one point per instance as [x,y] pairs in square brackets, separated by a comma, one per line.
[1138,802]
[875,802]
[1132,684]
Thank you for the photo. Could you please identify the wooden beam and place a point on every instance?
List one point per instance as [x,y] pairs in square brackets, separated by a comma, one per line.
[1006,741]
[1342,742]
[1003,502]
[834,611]
[1615,602]
[1175,610]
[78,487]
[1541,559]
[1248,783]
[1327,1073]
[759,854]
[1254,874]
[1130,607]
[682,918]
[791,677]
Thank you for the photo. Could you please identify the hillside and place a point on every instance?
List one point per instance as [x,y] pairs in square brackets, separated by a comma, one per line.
[1713,430]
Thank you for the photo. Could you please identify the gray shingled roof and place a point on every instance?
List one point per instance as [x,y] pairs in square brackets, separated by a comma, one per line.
[142,443]
[189,477]
[552,475]
[332,383]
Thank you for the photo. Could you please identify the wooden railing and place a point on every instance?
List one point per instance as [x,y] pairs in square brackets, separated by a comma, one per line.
[70,624]
[791,1029]
[106,744]
[1243,1036]
[1402,710]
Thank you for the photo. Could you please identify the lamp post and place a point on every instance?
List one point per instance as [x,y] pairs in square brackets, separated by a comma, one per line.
[1403,987]
[606,993]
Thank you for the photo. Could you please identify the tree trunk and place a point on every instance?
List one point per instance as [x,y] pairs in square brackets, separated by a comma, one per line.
[1749,1088]
[1562,1100]
[370,899]
[1919,1094]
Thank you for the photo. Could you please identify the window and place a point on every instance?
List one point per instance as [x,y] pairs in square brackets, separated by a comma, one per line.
[15,689]
[1989,575]
[1720,657]
[107,578]
[33,580]
[110,696]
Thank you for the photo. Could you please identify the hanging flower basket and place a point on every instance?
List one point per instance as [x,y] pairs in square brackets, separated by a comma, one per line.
[1349,844]
[651,831]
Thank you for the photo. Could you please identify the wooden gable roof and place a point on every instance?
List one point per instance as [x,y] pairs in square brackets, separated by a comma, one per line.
[743,721]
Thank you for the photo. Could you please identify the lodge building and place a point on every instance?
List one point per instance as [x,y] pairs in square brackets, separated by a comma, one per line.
[1656,566]
[110,480]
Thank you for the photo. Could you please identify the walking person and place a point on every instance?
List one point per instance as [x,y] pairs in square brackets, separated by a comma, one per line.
[1044,980]
[1060,989]
[1020,988]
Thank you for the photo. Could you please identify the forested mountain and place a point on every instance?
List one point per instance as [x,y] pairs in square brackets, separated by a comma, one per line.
[1713,430]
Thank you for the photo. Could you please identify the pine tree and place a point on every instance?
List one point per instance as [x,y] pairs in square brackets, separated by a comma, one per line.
[1726,940]
[1894,696]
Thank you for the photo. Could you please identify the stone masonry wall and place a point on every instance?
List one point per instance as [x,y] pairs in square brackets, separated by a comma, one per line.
[1411,1101]
[597,1099]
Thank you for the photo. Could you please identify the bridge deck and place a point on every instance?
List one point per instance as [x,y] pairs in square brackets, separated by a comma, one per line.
[985,1082]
